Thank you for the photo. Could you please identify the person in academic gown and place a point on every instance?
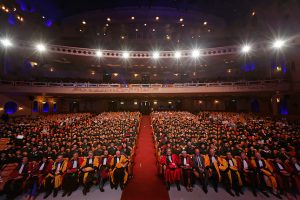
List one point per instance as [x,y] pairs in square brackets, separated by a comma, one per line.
[88,169]
[212,162]
[13,187]
[118,173]
[55,177]
[186,164]
[265,175]
[104,167]
[230,174]
[70,182]
[246,172]
[172,172]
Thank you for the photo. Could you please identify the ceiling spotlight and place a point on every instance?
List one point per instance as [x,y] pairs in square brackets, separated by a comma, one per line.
[204,23]
[181,19]
[195,53]
[278,44]
[157,18]
[145,24]
[41,47]
[177,54]
[135,75]
[108,19]
[6,42]
[51,69]
[132,18]
[125,55]
[156,55]
[153,30]
[99,53]
[83,22]
[246,48]
[182,25]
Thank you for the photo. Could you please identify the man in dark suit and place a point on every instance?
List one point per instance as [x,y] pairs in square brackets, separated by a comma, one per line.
[199,169]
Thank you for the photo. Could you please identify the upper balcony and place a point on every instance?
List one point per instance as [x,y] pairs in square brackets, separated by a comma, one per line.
[53,88]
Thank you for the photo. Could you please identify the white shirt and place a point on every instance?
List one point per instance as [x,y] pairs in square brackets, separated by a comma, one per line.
[21,169]
[90,161]
[297,166]
[104,161]
[280,166]
[118,160]
[170,158]
[58,167]
[260,163]
[42,166]
[213,159]
[74,164]
[230,163]
[184,161]
[245,164]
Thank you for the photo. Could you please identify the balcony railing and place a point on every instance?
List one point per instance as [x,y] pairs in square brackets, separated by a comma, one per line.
[156,85]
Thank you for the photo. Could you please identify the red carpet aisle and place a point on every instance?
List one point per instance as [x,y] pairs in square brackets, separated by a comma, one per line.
[145,183]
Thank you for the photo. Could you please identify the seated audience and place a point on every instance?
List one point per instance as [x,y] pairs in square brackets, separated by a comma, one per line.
[234,148]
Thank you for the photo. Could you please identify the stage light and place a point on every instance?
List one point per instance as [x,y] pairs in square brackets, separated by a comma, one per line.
[177,54]
[155,55]
[84,22]
[99,53]
[278,44]
[40,47]
[145,24]
[246,48]
[6,42]
[181,19]
[204,23]
[195,53]
[125,55]
[108,19]
[132,18]
[157,18]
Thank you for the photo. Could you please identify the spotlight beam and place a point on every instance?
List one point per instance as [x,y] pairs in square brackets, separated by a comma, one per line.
[6,42]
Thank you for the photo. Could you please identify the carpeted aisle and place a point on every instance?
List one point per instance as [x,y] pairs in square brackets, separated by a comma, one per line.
[145,183]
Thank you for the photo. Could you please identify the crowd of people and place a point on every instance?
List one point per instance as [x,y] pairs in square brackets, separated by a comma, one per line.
[237,150]
[64,151]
